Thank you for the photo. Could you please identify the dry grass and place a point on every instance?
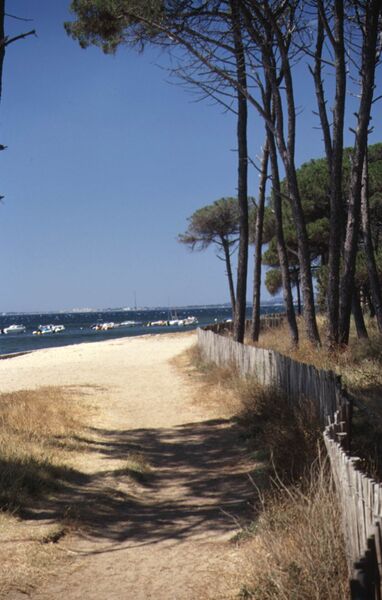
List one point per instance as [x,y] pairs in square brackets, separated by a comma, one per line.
[295,549]
[36,432]
[220,388]
[28,553]
[359,365]
[285,435]
[360,369]
[136,467]
[278,339]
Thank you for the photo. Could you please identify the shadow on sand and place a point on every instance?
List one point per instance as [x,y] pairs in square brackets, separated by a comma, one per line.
[198,485]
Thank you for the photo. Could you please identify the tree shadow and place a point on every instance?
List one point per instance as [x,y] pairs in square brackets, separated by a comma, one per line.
[198,484]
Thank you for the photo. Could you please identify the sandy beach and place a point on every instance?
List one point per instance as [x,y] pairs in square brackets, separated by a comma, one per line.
[167,538]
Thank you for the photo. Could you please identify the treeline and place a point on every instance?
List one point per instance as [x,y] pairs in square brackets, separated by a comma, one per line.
[217,224]
[243,53]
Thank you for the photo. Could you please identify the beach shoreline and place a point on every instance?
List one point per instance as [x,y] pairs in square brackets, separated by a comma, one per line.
[101,361]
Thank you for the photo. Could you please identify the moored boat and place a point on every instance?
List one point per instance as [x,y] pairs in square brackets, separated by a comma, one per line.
[161,323]
[103,326]
[14,329]
[46,329]
[191,321]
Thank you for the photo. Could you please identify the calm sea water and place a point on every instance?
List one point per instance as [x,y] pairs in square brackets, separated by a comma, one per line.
[78,326]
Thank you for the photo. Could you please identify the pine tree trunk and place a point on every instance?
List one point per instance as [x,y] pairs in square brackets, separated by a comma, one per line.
[281,246]
[358,317]
[287,152]
[309,311]
[372,11]
[242,267]
[372,270]
[334,155]
[255,330]
[227,258]
[299,307]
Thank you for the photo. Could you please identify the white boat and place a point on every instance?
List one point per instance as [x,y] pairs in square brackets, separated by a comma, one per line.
[103,326]
[190,321]
[14,329]
[176,322]
[130,323]
[183,322]
[46,329]
[161,323]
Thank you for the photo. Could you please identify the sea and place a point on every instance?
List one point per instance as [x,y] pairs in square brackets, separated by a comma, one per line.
[78,325]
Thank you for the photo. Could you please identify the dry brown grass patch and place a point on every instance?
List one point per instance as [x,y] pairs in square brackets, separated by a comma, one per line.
[359,364]
[216,387]
[37,428]
[28,553]
[295,549]
[38,431]
[288,434]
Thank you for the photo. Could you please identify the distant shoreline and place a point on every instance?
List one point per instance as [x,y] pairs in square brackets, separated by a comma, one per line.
[87,311]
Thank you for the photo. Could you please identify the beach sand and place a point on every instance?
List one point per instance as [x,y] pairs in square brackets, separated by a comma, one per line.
[165,538]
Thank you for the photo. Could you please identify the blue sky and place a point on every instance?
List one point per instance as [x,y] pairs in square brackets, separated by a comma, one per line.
[105,161]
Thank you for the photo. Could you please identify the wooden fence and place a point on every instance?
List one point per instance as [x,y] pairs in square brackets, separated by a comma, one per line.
[297,380]
[360,496]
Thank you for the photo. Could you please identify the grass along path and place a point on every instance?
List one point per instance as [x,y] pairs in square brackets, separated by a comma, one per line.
[160,483]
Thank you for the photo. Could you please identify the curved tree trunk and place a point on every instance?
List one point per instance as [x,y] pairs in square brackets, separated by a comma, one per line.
[255,330]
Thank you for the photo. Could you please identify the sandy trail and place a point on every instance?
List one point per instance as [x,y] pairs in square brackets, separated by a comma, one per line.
[166,536]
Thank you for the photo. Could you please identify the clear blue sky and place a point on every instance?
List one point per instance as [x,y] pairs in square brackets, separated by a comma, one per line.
[105,162]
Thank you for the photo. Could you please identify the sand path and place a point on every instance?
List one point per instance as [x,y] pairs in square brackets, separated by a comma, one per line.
[165,537]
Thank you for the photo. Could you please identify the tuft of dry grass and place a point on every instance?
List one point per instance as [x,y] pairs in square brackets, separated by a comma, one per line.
[295,548]
[136,467]
[36,431]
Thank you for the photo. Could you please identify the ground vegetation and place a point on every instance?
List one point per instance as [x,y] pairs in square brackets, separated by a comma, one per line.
[294,484]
